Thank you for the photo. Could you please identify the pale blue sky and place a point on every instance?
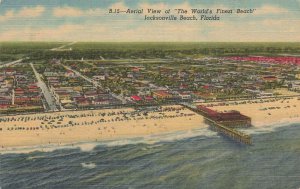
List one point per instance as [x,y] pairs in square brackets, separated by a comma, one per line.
[88,20]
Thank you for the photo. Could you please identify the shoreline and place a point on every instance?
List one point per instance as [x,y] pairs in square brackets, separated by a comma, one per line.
[94,125]
[87,146]
[127,123]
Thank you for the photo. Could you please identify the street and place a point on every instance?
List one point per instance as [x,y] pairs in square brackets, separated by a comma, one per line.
[47,94]
[96,84]
[11,63]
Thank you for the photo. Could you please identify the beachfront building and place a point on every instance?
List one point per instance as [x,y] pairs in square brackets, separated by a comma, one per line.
[295,86]
[162,95]
[184,95]
[229,119]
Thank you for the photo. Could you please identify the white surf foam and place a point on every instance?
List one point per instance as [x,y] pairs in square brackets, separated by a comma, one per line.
[88,165]
[89,146]
[268,128]
[150,139]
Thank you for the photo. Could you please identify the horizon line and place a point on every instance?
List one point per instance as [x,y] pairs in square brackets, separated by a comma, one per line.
[151,41]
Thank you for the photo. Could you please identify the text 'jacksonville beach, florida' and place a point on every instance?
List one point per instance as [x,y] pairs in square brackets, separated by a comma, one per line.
[194,14]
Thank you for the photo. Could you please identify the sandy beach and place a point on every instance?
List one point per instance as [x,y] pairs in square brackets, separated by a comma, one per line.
[96,125]
[99,125]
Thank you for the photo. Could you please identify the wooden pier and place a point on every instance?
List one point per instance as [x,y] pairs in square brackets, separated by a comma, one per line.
[224,130]
[230,132]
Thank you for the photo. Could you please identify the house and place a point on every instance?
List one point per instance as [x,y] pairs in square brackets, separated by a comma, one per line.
[203,95]
[135,98]
[61,94]
[81,102]
[21,100]
[50,74]
[85,70]
[269,78]
[9,71]
[33,89]
[183,86]
[5,100]
[148,98]
[100,101]
[69,73]
[294,86]
[265,94]
[184,95]
[92,94]
[99,77]
[162,95]
[19,91]
[135,69]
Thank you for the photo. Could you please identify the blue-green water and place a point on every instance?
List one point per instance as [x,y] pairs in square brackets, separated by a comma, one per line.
[197,162]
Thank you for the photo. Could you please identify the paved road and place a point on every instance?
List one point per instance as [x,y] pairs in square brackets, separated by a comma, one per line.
[96,84]
[47,94]
[63,47]
[13,97]
[11,63]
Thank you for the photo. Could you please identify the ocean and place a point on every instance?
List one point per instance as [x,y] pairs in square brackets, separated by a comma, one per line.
[195,159]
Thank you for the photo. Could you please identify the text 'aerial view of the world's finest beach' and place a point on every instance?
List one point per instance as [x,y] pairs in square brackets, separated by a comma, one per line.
[149,94]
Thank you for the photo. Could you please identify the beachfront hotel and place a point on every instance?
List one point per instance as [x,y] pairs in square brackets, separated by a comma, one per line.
[229,119]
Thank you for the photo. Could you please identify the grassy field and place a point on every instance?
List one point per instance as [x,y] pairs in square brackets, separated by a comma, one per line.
[97,50]
[179,45]
[10,51]
[149,45]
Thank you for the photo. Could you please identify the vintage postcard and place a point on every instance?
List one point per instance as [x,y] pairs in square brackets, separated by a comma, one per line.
[140,94]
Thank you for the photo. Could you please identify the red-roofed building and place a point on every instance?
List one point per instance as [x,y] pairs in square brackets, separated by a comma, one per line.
[184,95]
[19,91]
[9,71]
[33,88]
[270,78]
[69,73]
[148,98]
[161,94]
[230,119]
[135,69]
[136,98]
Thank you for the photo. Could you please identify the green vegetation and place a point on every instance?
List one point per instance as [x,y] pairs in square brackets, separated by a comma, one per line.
[89,50]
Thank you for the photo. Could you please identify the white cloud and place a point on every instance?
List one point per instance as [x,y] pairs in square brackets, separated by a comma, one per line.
[67,11]
[31,12]
[76,12]
[260,31]
[133,28]
[7,16]
[25,12]
[119,5]
[270,9]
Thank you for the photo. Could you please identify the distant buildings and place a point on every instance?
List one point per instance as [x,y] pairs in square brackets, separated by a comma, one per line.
[19,91]
[162,95]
